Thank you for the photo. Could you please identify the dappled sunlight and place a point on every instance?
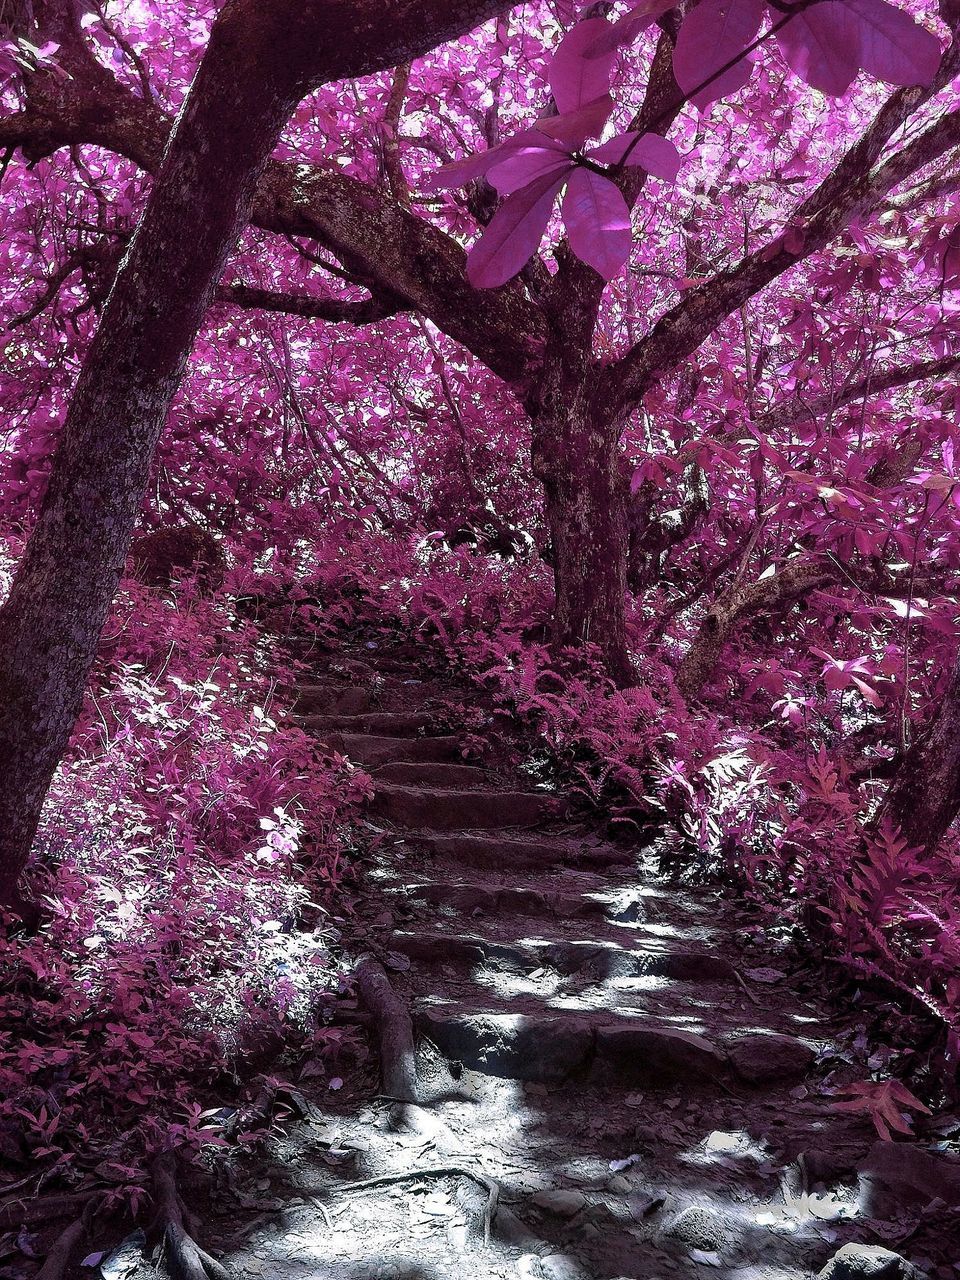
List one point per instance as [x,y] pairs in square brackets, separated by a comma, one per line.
[479,695]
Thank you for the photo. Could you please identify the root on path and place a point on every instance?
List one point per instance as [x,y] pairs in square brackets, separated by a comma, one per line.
[434,1171]
[398,1068]
[26,1212]
[185,1259]
[58,1259]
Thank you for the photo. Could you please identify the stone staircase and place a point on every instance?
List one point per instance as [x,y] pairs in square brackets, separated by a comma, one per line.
[639,1084]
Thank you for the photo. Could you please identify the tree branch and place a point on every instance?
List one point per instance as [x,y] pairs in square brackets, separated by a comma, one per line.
[335,310]
[796,411]
[388,248]
[853,189]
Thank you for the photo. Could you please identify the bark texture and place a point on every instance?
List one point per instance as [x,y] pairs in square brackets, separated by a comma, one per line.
[576,456]
[261,60]
[924,798]
[773,594]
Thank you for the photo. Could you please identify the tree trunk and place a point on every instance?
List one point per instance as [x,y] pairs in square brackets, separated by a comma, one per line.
[925,795]
[263,57]
[576,457]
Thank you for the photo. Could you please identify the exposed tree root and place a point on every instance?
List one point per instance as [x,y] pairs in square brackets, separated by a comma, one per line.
[57,1260]
[19,1213]
[437,1171]
[398,1070]
[185,1259]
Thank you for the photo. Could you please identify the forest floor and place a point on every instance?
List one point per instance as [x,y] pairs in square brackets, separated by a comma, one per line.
[586,1070]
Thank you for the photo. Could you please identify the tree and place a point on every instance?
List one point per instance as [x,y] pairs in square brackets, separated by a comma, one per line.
[261,60]
[548,336]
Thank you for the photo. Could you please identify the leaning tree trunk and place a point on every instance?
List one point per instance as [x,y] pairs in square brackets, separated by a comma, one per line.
[576,457]
[925,795]
[264,56]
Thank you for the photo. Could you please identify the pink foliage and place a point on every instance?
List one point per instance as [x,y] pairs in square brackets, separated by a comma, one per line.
[187,834]
[348,468]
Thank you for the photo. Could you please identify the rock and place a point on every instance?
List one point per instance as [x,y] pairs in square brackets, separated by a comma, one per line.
[534,1048]
[511,1230]
[654,1055]
[560,1266]
[830,1164]
[698,1227]
[724,1142]
[894,1175]
[868,1262]
[763,1057]
[563,1203]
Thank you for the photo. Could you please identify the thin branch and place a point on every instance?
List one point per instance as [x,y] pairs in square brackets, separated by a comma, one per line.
[335,310]
[853,189]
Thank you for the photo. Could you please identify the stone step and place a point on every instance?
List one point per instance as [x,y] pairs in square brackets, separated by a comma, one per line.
[550,1048]
[625,906]
[538,855]
[392,724]
[369,749]
[449,810]
[605,1048]
[603,959]
[331,698]
[436,776]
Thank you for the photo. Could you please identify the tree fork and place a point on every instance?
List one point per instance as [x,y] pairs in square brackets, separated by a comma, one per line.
[262,59]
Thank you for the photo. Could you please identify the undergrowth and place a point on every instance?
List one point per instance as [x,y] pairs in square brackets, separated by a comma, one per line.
[186,861]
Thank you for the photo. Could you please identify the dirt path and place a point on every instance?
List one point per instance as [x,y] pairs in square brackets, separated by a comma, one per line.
[593,1074]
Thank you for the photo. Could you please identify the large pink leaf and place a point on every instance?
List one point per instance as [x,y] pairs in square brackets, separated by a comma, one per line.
[575,127]
[577,77]
[651,152]
[711,36]
[892,46]
[541,157]
[514,233]
[597,220]
[822,45]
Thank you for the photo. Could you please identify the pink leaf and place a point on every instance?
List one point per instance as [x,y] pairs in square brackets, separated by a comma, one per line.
[711,36]
[514,233]
[892,46]
[459,172]
[576,76]
[526,164]
[574,127]
[597,221]
[822,45]
[651,152]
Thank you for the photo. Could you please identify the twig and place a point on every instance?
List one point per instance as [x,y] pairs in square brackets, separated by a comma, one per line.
[435,1171]
[751,996]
